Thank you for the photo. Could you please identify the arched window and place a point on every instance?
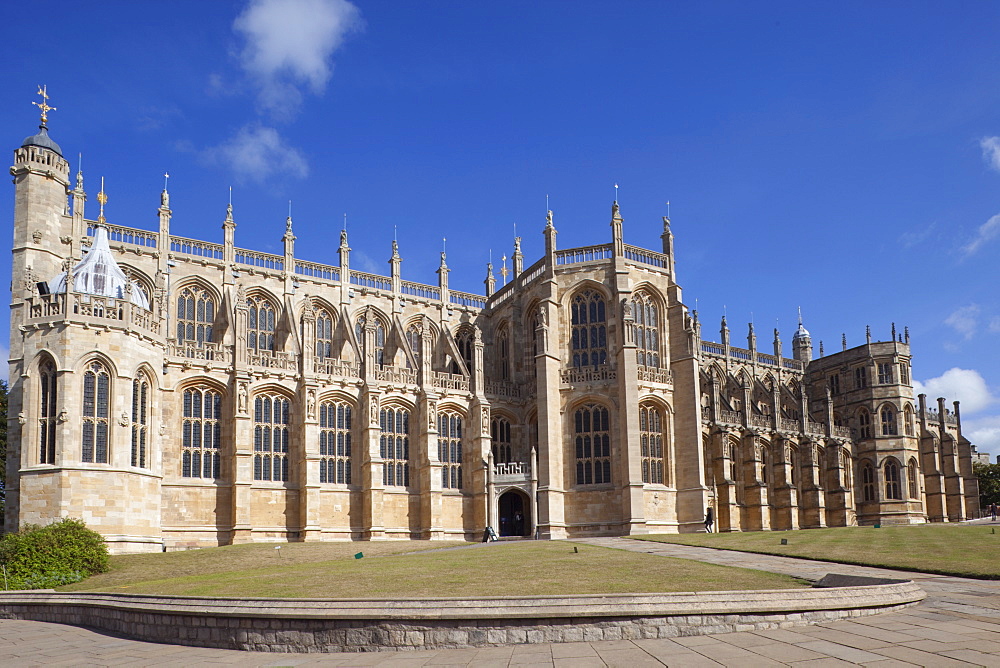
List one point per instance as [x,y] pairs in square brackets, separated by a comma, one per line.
[270,438]
[764,464]
[466,347]
[908,420]
[195,315]
[503,354]
[201,433]
[415,339]
[888,421]
[911,478]
[732,462]
[845,463]
[865,424]
[47,413]
[651,428]
[500,435]
[450,449]
[378,341]
[335,442]
[394,446]
[646,317]
[589,330]
[324,335]
[96,409]
[260,329]
[140,420]
[593,445]
[868,481]
[892,490]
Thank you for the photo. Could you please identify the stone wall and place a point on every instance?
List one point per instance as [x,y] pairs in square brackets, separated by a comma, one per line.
[337,626]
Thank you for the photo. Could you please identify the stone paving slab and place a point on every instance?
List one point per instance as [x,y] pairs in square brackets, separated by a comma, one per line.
[958,625]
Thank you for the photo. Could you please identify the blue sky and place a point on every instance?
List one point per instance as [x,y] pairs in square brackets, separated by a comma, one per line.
[842,157]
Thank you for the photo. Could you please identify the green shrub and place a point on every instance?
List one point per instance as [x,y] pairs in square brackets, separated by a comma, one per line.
[61,553]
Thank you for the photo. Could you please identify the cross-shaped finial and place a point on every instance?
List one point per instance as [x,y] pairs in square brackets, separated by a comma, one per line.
[103,199]
[44,104]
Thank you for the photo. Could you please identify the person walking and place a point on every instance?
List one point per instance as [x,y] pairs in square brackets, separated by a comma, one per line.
[709,519]
[993,510]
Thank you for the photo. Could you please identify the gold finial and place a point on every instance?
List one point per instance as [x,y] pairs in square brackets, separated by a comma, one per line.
[504,271]
[102,198]
[44,104]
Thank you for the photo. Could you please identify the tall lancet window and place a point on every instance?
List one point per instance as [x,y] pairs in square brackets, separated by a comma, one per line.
[503,354]
[335,442]
[195,315]
[270,438]
[414,338]
[500,435]
[140,421]
[466,348]
[394,446]
[593,445]
[96,409]
[324,335]
[646,326]
[201,433]
[260,328]
[378,351]
[47,414]
[590,332]
[651,430]
[450,449]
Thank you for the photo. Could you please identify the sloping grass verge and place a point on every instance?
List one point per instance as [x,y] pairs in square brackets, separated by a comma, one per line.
[943,549]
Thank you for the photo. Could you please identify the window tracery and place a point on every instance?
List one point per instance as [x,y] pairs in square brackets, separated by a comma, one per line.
[450,449]
[270,438]
[589,329]
[335,419]
[260,327]
[195,316]
[394,446]
[593,445]
[96,411]
[201,433]
[47,413]
[651,430]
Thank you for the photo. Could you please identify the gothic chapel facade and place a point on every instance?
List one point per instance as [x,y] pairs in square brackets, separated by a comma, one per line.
[177,393]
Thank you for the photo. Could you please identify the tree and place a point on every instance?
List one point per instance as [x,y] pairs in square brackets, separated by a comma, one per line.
[989,483]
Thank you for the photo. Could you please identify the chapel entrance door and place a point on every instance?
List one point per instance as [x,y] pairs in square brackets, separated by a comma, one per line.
[513,513]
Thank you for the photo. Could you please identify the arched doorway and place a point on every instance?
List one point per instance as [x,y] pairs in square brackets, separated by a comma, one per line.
[514,513]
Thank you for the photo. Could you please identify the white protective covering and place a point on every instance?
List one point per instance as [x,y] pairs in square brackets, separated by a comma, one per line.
[98,274]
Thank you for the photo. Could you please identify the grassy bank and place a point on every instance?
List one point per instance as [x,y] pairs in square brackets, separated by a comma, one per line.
[400,570]
[964,550]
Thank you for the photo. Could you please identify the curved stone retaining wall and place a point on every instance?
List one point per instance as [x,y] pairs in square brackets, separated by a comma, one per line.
[298,625]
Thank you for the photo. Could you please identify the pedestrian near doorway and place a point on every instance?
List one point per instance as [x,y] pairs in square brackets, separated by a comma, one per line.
[709,519]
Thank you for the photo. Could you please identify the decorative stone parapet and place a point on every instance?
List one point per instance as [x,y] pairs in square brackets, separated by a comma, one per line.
[306,625]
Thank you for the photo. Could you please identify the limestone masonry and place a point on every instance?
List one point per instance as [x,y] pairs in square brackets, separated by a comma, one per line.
[178,393]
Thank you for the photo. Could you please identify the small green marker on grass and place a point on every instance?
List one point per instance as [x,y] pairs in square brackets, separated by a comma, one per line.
[359,555]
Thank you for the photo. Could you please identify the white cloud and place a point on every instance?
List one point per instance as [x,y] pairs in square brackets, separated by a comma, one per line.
[255,153]
[289,43]
[965,320]
[964,385]
[991,151]
[984,433]
[987,232]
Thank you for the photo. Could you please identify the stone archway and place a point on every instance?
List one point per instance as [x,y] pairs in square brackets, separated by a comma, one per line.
[514,513]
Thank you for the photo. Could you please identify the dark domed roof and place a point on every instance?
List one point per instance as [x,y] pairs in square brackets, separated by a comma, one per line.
[43,140]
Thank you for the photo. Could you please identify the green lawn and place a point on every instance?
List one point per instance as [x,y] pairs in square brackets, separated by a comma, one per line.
[949,549]
[317,570]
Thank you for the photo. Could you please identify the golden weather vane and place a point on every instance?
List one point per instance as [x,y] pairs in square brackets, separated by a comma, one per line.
[44,104]
[103,199]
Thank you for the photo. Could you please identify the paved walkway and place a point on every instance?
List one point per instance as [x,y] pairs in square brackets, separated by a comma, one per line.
[958,625]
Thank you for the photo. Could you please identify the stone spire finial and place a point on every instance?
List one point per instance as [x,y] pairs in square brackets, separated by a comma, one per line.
[548,220]
[843,341]
[79,173]
[395,250]
[821,348]
[868,333]
[906,334]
